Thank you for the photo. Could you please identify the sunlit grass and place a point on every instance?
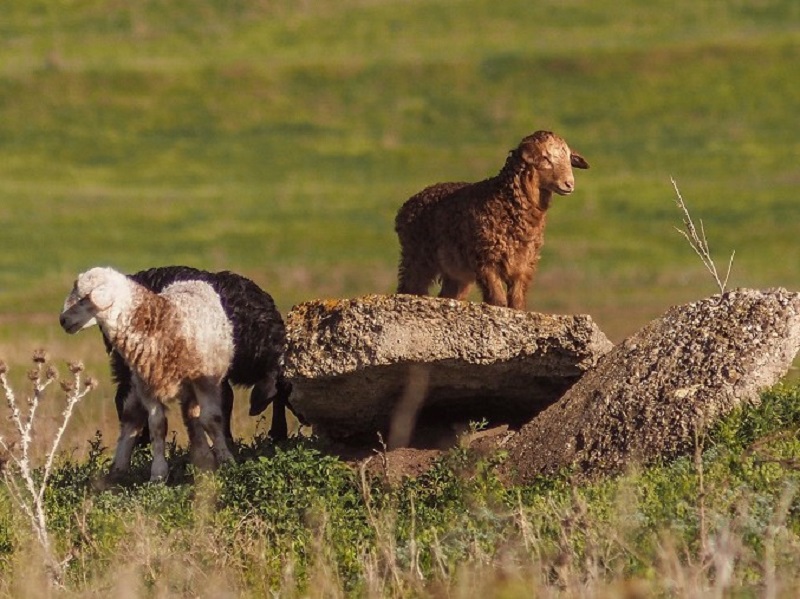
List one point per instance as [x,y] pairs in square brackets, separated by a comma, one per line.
[292,520]
[278,139]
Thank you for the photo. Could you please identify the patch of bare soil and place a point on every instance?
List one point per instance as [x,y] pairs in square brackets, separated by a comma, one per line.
[396,464]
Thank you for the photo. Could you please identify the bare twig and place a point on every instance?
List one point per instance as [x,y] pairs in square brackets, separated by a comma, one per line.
[699,243]
[26,492]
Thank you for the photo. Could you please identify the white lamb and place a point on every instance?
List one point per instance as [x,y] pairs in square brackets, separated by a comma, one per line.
[179,345]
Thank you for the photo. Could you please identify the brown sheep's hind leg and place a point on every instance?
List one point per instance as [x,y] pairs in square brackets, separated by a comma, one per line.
[415,279]
[451,288]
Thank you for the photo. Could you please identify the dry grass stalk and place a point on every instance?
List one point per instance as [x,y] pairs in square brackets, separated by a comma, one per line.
[25,490]
[697,240]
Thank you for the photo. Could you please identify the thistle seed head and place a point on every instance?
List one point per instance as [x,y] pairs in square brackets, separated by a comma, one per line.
[76,367]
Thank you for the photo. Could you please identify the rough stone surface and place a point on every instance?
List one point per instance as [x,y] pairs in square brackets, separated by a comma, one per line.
[649,396]
[351,360]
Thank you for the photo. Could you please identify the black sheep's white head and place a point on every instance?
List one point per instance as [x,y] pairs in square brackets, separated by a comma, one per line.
[99,295]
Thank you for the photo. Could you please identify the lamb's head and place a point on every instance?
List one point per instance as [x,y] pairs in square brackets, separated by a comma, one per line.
[99,295]
[552,160]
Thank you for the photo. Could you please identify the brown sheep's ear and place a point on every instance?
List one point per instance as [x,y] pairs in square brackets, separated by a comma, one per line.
[529,153]
[578,161]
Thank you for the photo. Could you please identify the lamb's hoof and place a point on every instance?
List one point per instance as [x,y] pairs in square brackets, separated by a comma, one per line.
[201,457]
[279,433]
[109,481]
[224,458]
[159,472]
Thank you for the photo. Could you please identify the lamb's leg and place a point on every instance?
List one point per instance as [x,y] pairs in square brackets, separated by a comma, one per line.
[209,399]
[133,417]
[157,422]
[454,289]
[122,373]
[227,409]
[199,451]
[273,389]
[517,290]
[491,287]
[415,274]
[279,431]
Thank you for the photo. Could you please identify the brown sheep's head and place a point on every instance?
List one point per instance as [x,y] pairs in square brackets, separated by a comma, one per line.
[552,161]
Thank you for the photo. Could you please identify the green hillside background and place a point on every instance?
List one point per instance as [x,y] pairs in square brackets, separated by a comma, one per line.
[278,139]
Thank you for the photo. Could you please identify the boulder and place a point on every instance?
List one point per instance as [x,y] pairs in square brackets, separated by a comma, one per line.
[393,364]
[651,395]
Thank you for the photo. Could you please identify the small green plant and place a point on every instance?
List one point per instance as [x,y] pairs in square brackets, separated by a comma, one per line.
[27,486]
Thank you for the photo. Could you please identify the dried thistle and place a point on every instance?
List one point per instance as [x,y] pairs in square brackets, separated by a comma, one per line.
[75,367]
[699,243]
[26,490]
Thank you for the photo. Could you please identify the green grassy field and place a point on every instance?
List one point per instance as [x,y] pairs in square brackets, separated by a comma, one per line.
[278,140]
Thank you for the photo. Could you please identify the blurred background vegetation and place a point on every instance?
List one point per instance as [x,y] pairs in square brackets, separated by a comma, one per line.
[278,138]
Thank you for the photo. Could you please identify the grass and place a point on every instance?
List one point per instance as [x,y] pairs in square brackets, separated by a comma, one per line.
[293,521]
[278,139]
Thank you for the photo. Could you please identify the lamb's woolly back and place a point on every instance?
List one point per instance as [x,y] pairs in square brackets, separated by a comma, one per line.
[180,335]
[489,232]
[258,329]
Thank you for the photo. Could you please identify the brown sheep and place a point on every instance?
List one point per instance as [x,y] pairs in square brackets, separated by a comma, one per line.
[490,232]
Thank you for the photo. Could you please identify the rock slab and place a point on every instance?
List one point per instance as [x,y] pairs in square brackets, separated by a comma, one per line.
[351,361]
[650,395]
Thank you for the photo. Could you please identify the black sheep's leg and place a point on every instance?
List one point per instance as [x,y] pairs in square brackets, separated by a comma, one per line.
[227,410]
[279,430]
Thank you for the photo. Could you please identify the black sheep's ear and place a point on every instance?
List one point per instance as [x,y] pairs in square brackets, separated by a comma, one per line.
[578,161]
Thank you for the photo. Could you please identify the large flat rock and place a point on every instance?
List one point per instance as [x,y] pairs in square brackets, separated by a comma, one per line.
[357,364]
[650,396]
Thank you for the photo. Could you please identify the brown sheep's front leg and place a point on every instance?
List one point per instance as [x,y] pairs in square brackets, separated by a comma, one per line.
[491,286]
[517,290]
